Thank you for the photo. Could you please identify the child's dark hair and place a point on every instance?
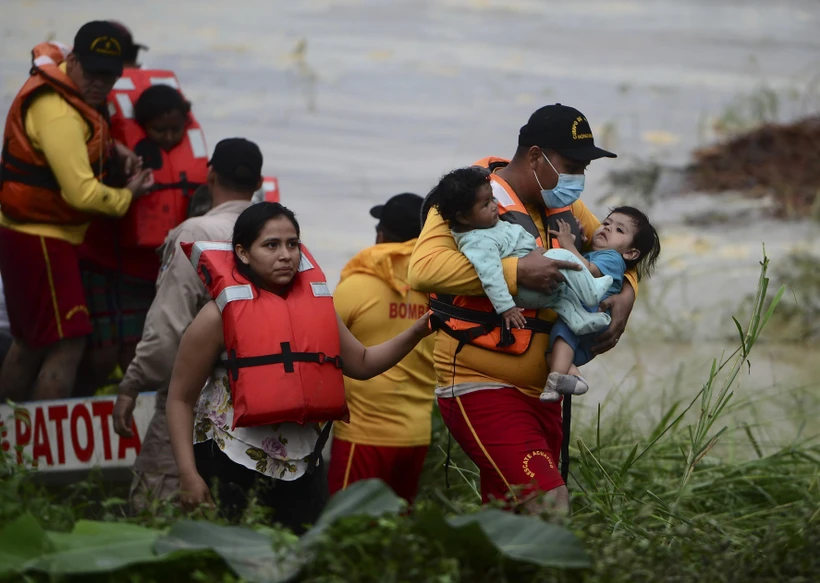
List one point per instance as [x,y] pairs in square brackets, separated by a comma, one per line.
[456,191]
[248,226]
[646,241]
[159,100]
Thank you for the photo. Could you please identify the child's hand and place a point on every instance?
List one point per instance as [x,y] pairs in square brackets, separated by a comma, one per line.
[564,234]
[513,318]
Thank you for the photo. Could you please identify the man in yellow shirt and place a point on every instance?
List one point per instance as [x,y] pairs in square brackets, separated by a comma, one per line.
[389,430]
[488,396]
[56,149]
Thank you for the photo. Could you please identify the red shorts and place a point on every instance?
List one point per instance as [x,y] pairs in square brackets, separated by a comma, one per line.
[44,294]
[399,467]
[515,440]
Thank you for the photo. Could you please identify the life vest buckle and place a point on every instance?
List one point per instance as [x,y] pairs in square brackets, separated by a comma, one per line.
[334,360]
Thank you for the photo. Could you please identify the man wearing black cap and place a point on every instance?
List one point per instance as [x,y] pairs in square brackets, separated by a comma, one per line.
[488,391]
[235,174]
[389,431]
[56,147]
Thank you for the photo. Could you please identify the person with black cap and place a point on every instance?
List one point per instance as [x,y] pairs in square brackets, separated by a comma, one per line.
[235,173]
[56,149]
[489,383]
[390,415]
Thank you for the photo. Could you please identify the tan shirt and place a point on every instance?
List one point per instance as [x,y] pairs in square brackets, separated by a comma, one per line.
[180,296]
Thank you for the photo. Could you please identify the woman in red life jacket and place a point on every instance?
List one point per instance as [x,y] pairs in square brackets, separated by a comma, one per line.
[119,262]
[270,352]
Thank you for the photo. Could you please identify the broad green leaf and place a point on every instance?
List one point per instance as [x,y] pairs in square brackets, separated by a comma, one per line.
[467,541]
[483,536]
[248,553]
[528,538]
[363,498]
[20,541]
[94,547]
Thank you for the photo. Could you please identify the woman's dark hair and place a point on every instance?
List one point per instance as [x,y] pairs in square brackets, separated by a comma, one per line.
[646,241]
[159,100]
[248,226]
[456,192]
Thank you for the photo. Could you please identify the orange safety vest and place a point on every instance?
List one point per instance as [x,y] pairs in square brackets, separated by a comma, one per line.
[181,170]
[29,192]
[284,362]
[472,319]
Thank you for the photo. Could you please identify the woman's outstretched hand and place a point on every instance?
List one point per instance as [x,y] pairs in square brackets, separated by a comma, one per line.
[422,326]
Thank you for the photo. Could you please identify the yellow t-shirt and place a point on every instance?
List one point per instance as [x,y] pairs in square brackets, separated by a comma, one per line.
[436,265]
[374,301]
[59,131]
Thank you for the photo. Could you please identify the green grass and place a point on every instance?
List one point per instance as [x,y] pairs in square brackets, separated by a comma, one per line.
[687,487]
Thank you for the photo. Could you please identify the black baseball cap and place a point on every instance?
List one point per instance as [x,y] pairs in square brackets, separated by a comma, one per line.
[100,47]
[399,216]
[239,160]
[563,129]
[131,49]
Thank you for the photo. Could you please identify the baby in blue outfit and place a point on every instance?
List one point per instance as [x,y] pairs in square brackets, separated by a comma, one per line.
[625,240]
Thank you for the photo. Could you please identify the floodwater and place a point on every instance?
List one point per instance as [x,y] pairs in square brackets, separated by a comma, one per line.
[355,100]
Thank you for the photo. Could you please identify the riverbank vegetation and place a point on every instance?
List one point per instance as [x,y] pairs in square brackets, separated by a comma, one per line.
[664,489]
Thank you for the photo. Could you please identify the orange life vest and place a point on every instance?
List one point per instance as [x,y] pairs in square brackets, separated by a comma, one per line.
[179,171]
[472,319]
[284,362]
[29,192]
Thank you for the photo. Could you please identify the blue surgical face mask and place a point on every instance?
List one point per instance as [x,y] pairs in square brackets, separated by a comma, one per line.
[566,192]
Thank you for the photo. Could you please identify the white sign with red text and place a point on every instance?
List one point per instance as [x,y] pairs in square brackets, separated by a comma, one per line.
[72,434]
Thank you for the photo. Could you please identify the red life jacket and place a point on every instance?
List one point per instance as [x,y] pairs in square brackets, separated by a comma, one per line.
[472,319]
[270,189]
[129,244]
[180,171]
[284,362]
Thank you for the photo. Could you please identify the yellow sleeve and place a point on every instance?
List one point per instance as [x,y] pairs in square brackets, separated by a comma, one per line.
[347,298]
[437,266]
[57,129]
[590,223]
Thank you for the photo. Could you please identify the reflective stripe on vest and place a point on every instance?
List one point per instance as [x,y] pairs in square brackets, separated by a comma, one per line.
[233,293]
[197,141]
[201,246]
[304,263]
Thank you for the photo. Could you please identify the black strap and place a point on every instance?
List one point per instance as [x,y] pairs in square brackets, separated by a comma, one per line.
[183,184]
[316,455]
[490,320]
[566,423]
[14,169]
[44,179]
[437,322]
[286,357]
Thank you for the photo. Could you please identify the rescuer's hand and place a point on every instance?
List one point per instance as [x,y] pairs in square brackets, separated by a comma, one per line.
[542,274]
